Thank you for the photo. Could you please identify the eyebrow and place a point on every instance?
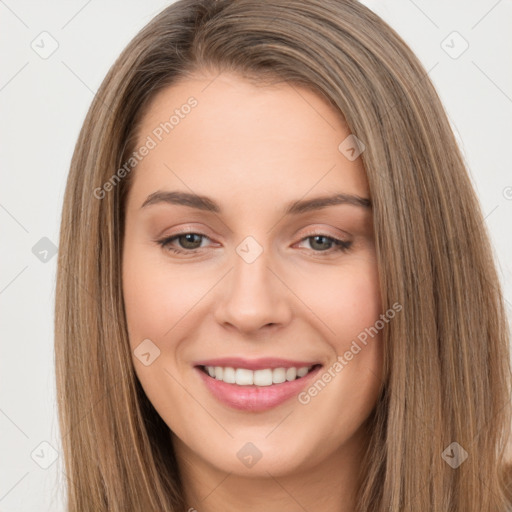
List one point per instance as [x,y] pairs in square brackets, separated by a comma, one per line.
[205,203]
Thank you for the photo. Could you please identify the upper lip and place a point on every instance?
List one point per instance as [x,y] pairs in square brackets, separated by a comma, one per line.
[255,364]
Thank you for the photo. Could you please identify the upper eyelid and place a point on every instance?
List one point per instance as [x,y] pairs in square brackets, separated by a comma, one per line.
[315,230]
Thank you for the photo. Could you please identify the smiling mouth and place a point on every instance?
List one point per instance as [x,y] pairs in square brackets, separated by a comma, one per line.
[260,378]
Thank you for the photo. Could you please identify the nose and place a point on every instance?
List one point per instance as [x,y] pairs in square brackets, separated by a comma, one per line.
[253,296]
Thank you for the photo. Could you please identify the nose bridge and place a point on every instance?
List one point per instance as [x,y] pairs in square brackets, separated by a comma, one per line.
[254,296]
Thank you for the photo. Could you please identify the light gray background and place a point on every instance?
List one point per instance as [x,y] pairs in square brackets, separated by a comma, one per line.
[43,103]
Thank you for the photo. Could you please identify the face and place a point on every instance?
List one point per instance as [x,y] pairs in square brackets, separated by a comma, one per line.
[231,297]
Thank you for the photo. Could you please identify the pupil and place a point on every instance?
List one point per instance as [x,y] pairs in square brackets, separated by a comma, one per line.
[189,238]
[320,237]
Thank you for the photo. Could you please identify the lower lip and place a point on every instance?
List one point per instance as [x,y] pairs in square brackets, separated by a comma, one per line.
[255,398]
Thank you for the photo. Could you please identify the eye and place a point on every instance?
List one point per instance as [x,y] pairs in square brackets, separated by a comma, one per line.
[190,243]
[319,241]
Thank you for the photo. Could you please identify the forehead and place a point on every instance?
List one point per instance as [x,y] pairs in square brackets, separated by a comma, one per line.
[224,135]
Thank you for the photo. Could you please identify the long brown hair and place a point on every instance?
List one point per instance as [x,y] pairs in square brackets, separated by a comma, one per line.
[446,362]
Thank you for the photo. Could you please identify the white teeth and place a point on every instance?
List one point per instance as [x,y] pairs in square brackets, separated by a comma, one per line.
[229,375]
[266,377]
[278,375]
[263,377]
[302,371]
[291,373]
[244,377]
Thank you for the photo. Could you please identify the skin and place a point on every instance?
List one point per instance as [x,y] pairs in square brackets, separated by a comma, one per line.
[253,150]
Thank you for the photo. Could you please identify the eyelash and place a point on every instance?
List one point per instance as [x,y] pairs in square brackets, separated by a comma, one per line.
[339,245]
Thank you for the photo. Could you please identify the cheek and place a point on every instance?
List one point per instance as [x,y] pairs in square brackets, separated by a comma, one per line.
[155,298]
[358,302]
[346,299]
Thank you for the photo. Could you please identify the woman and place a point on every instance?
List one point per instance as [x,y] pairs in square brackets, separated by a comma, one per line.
[260,369]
